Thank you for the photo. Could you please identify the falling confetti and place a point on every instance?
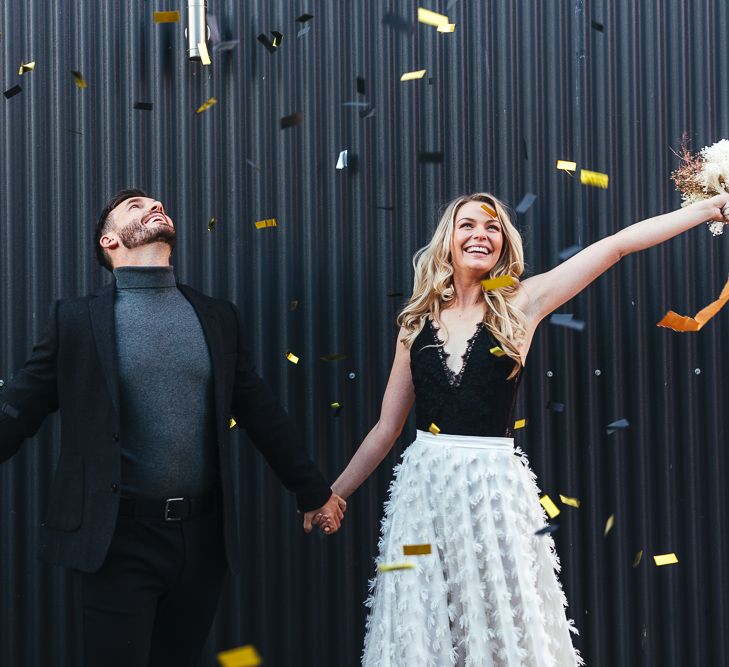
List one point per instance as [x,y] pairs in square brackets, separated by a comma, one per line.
[202,49]
[526,201]
[520,423]
[79,79]
[232,423]
[572,502]
[566,320]
[638,558]
[434,429]
[292,357]
[549,507]
[270,46]
[566,165]
[555,407]
[269,222]
[416,550]
[569,252]
[682,323]
[143,106]
[597,25]
[390,567]
[292,120]
[167,17]
[26,67]
[206,105]
[497,283]
[336,407]
[245,656]
[342,160]
[293,305]
[665,559]
[609,525]
[12,92]
[429,17]
[411,76]
[397,22]
[497,351]
[594,178]
[211,224]
[548,529]
[619,425]
[490,210]
[447,27]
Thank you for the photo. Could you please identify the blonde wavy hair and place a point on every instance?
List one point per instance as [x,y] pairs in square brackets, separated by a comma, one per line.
[433,284]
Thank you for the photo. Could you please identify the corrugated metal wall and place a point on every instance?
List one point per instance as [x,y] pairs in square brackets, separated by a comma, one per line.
[519,84]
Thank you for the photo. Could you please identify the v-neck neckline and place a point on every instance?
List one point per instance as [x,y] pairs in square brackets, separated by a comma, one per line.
[454,379]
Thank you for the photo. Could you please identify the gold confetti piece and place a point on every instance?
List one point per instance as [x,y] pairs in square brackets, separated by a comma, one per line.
[277,39]
[431,18]
[389,567]
[496,283]
[549,507]
[79,79]
[269,222]
[410,76]
[572,502]
[678,322]
[167,17]
[292,357]
[232,423]
[336,356]
[637,559]
[335,405]
[206,105]
[609,525]
[520,423]
[202,49]
[497,351]
[293,305]
[448,27]
[490,210]
[26,67]
[245,656]
[416,550]
[211,224]
[434,429]
[594,178]
[566,165]
[665,559]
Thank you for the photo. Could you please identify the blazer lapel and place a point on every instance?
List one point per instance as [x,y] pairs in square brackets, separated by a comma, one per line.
[214,338]
[101,309]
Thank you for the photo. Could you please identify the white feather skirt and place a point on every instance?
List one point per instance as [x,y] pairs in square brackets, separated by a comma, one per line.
[488,594]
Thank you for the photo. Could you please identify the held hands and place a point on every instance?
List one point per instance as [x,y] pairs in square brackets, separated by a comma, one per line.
[328,517]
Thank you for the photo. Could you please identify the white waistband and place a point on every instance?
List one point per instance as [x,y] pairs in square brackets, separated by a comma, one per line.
[471,441]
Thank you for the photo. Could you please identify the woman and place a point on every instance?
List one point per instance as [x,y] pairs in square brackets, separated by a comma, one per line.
[488,593]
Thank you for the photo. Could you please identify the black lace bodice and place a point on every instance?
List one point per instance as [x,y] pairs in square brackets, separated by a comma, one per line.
[478,400]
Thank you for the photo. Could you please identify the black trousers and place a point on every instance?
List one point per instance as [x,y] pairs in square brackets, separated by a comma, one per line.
[154,599]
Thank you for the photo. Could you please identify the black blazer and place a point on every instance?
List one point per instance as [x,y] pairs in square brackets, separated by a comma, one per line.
[74,369]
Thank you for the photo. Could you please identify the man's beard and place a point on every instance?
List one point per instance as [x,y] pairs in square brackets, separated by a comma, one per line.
[135,235]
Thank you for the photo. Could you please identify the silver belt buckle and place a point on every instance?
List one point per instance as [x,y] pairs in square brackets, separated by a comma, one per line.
[167,509]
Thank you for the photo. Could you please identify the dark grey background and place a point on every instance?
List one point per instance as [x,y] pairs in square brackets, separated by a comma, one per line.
[518,85]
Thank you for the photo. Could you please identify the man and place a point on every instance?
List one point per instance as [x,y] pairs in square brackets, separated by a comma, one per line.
[146,374]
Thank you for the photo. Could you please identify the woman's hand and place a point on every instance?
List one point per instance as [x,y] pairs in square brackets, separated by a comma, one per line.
[717,208]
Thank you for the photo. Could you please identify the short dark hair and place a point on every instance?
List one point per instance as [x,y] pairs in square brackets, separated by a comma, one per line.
[102,223]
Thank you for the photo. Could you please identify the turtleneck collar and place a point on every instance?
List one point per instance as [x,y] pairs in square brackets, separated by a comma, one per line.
[141,277]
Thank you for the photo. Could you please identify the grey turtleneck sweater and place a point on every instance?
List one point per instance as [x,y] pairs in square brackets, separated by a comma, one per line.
[165,387]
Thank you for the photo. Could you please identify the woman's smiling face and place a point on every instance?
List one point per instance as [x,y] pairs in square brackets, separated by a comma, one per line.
[477,240]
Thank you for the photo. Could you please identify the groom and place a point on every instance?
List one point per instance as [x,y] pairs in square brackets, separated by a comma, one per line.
[146,374]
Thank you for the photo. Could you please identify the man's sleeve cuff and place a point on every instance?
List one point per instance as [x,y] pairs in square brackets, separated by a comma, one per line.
[312,500]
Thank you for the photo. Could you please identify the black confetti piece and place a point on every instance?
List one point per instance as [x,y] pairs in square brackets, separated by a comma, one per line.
[143,106]
[12,92]
[292,120]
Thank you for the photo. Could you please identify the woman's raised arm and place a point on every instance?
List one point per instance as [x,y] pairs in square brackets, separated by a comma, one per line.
[548,291]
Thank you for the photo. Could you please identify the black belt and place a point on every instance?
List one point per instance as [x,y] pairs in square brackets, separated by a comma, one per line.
[170,509]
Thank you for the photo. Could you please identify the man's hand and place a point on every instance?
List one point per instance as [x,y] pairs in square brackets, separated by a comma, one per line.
[329,516]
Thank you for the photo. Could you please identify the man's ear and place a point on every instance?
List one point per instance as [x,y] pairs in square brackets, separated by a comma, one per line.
[108,242]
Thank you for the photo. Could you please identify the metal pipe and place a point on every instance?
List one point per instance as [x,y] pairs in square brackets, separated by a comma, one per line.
[196,27]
